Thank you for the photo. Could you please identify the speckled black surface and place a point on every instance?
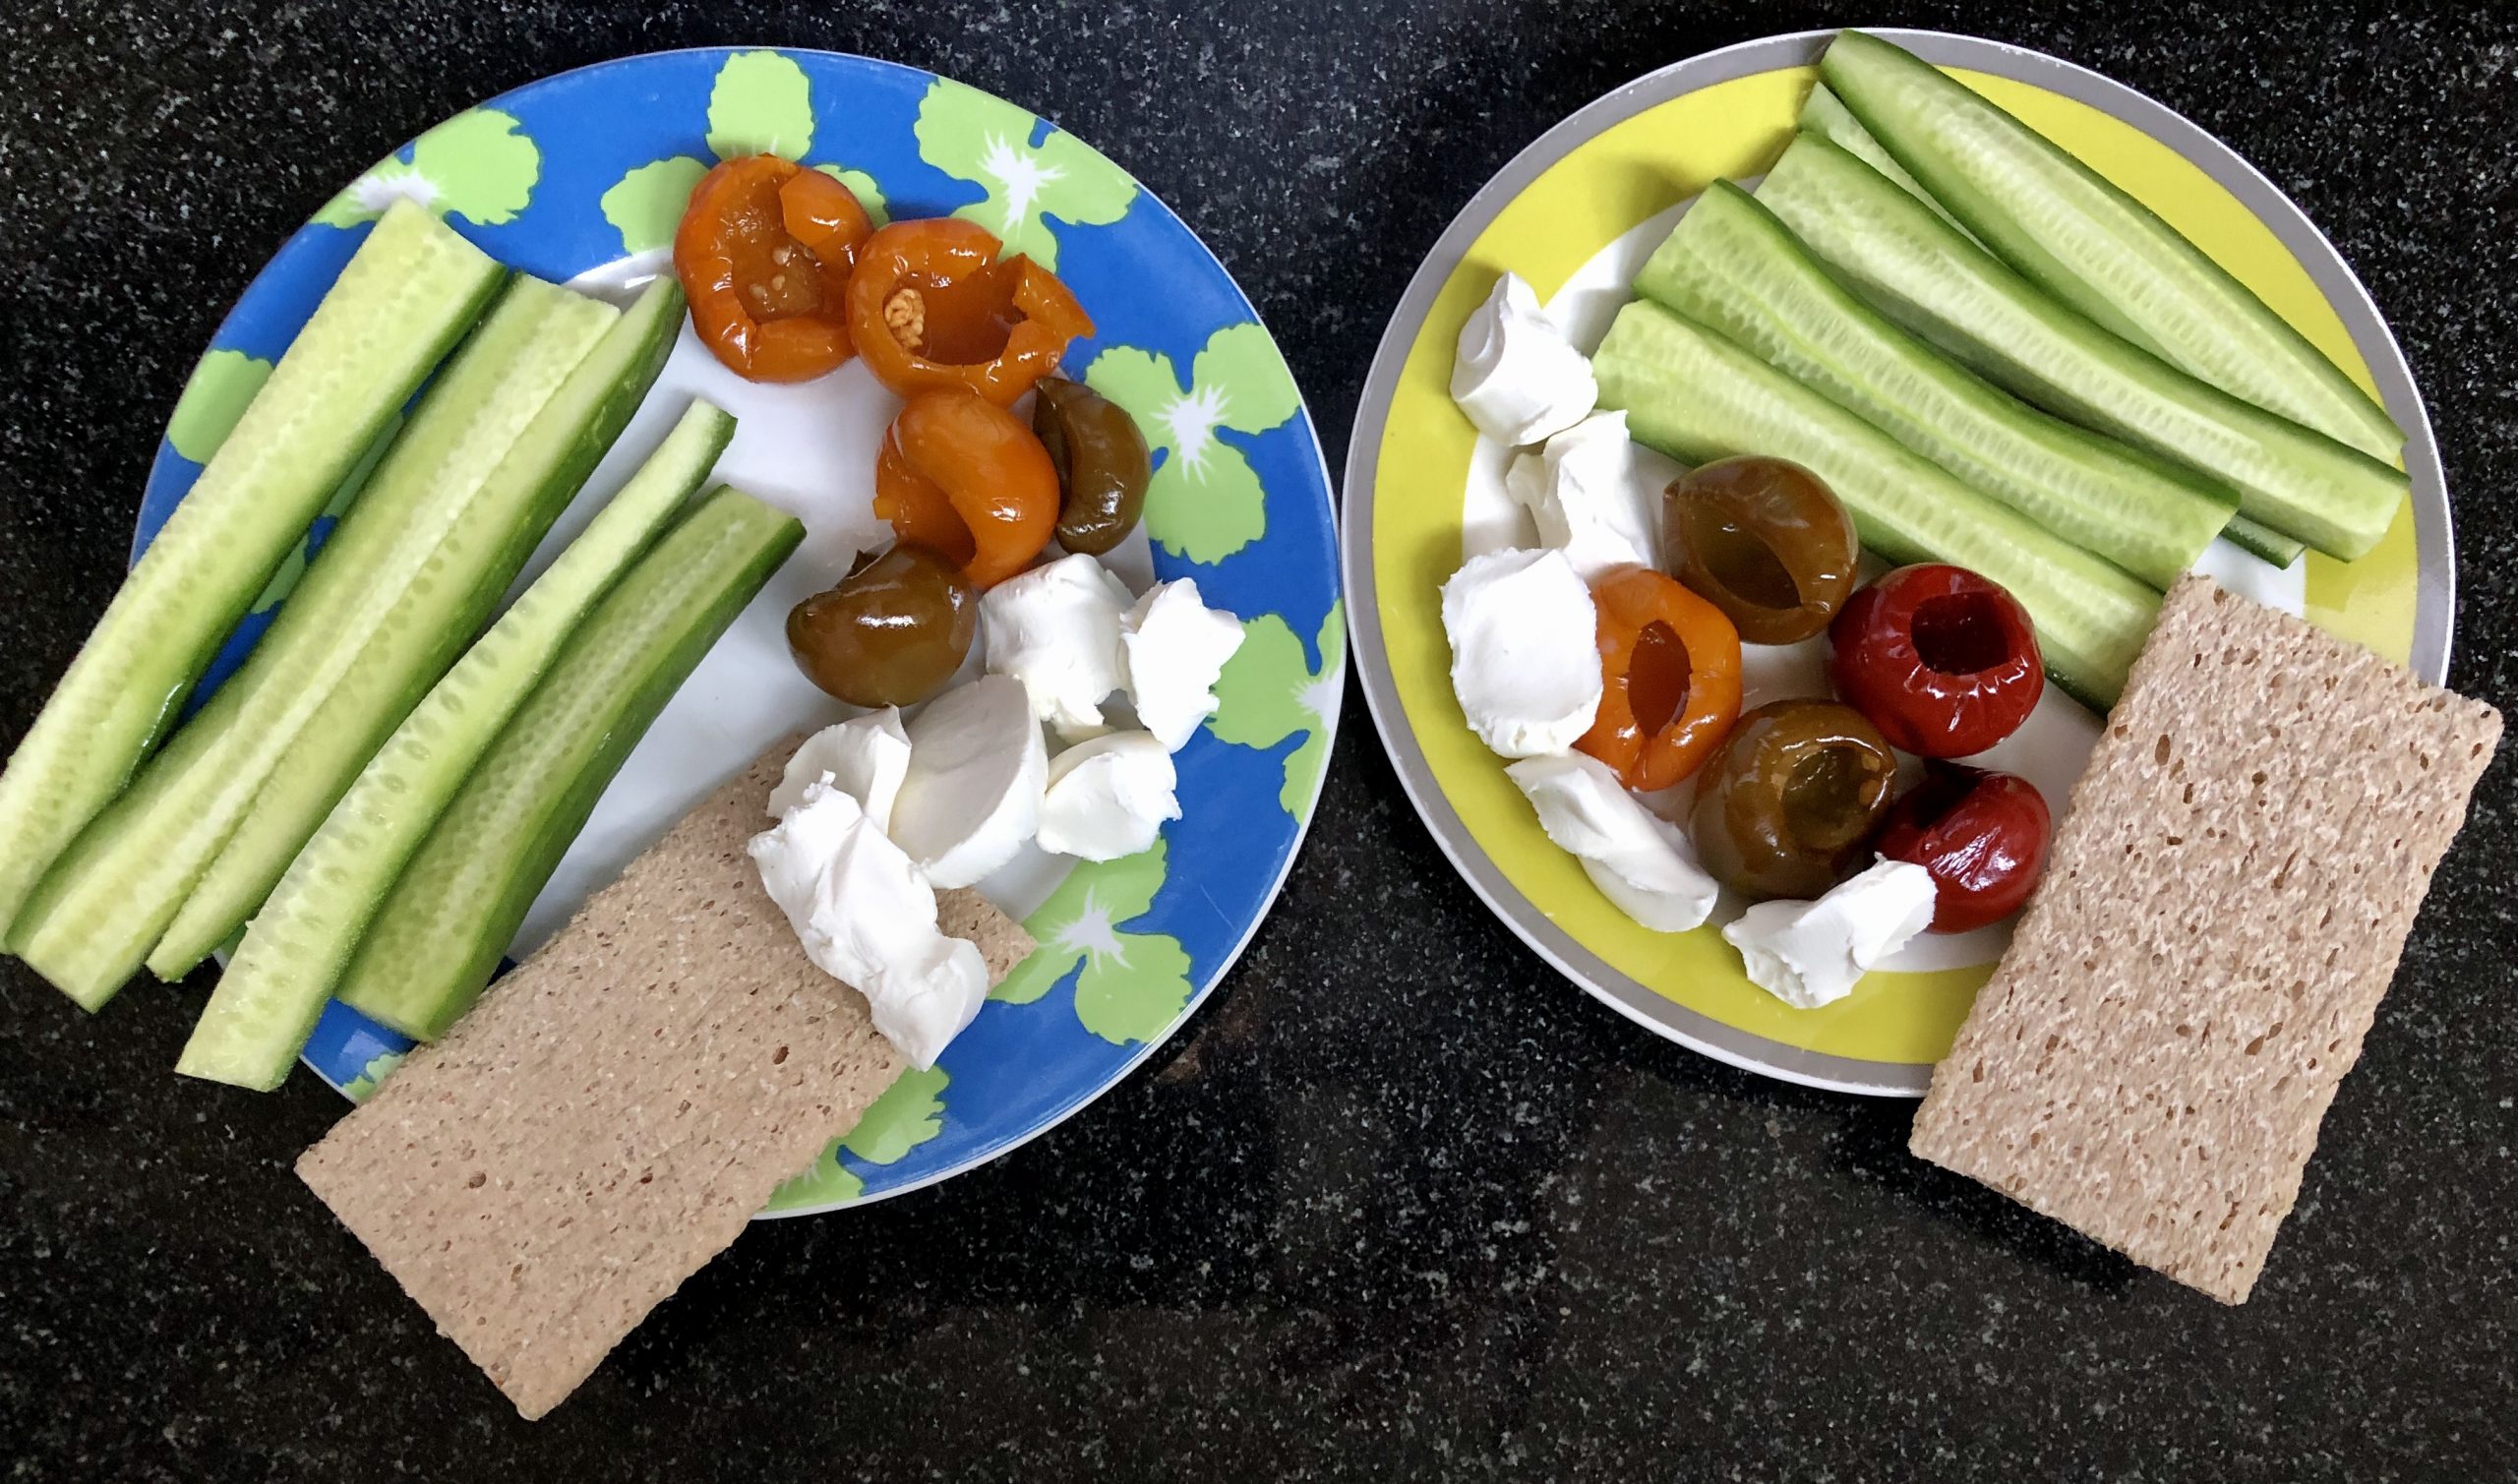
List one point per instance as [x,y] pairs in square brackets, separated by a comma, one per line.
[1398,1203]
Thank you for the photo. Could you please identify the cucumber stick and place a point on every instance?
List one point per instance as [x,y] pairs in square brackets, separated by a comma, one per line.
[1696,396]
[2090,245]
[1921,272]
[432,623]
[299,942]
[437,938]
[1825,113]
[2263,541]
[1732,268]
[106,901]
[406,295]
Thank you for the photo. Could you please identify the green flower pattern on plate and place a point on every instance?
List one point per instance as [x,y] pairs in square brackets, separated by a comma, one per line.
[988,142]
[910,1112]
[1268,691]
[1205,503]
[761,103]
[1134,984]
[479,165]
[361,1088]
[213,399]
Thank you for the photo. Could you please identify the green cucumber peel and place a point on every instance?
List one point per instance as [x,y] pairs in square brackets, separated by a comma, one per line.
[1924,275]
[405,297]
[1730,265]
[431,624]
[298,944]
[102,908]
[438,935]
[1825,113]
[2092,246]
[2263,541]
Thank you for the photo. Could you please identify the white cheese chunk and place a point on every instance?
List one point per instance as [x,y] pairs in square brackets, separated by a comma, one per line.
[864,757]
[866,914]
[1526,481]
[1640,862]
[1588,499]
[1108,797]
[1526,659]
[1808,954]
[1056,630]
[1173,648]
[1516,377]
[972,796]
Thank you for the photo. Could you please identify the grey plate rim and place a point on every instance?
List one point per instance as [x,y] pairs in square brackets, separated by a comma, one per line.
[2434,550]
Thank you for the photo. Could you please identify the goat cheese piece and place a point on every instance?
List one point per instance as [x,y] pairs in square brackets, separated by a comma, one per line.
[1588,499]
[1109,797]
[1516,377]
[866,914]
[1808,954]
[1173,649]
[1640,862]
[1526,660]
[972,796]
[1056,630]
[864,757]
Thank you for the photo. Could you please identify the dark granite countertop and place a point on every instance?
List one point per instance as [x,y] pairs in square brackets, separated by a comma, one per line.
[1398,1202]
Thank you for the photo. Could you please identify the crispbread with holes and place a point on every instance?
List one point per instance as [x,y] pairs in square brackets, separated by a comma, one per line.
[612,1112]
[2222,910]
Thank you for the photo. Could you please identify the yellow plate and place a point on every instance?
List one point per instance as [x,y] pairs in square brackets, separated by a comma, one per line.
[1566,202]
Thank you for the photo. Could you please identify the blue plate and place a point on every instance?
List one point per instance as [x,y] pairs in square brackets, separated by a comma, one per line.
[579,178]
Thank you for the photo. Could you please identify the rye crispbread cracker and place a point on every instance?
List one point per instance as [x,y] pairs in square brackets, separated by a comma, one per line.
[614,1111]
[2223,908]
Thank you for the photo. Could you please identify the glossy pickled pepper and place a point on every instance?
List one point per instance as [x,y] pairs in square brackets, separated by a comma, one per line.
[1669,678]
[1793,798]
[893,631]
[764,253]
[933,306]
[1943,660]
[1983,835]
[1764,541]
[962,475]
[1101,462]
